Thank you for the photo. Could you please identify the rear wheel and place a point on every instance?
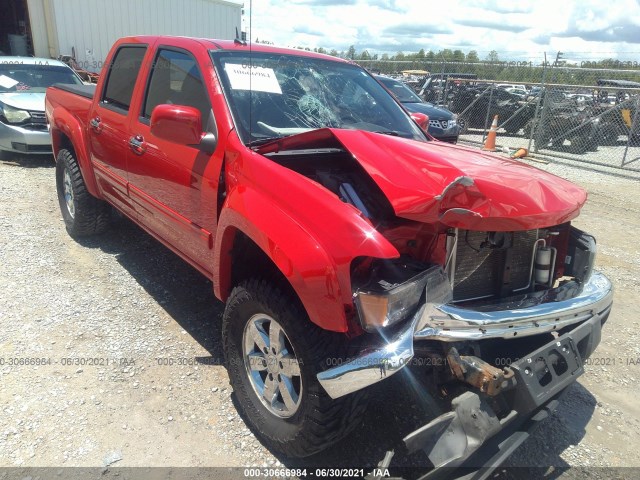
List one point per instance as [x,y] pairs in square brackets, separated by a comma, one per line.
[463,124]
[83,214]
[608,135]
[273,353]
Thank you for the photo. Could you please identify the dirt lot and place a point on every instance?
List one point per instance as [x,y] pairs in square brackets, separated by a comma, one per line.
[131,372]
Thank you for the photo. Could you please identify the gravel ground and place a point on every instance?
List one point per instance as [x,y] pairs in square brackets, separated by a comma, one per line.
[133,375]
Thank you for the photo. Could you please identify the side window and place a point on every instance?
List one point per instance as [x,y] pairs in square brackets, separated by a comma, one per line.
[176,79]
[123,73]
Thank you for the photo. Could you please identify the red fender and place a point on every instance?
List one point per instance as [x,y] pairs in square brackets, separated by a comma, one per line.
[68,125]
[321,281]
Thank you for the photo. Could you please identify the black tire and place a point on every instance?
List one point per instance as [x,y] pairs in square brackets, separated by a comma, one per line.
[84,214]
[463,125]
[608,135]
[580,144]
[542,139]
[319,421]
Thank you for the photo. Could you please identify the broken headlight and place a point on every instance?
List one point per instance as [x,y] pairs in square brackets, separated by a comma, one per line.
[392,291]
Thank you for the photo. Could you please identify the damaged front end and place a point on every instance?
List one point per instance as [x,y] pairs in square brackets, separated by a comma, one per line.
[498,362]
[491,282]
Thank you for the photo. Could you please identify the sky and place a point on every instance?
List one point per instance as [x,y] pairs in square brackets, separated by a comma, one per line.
[517,29]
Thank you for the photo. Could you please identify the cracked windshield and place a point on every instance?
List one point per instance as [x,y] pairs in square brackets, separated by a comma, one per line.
[274,96]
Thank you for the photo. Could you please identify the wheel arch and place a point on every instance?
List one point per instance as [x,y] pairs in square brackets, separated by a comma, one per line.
[271,243]
[67,133]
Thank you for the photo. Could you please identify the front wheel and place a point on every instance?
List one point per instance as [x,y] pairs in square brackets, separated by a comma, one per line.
[273,353]
[83,214]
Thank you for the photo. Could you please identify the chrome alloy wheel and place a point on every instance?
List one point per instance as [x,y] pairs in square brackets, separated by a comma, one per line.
[68,193]
[272,366]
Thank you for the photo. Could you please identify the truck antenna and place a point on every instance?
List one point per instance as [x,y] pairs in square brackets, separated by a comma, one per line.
[238,40]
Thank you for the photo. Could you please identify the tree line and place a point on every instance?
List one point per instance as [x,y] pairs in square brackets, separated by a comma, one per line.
[491,67]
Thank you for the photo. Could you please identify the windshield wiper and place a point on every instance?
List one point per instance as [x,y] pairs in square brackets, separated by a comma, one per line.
[262,141]
[393,133]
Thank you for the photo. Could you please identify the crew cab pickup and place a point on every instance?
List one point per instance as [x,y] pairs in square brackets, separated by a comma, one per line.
[344,239]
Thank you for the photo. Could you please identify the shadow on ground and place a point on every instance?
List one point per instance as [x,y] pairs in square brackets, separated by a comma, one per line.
[27,161]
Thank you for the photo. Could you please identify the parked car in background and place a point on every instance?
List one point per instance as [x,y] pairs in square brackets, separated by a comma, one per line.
[437,88]
[471,103]
[23,83]
[443,124]
[508,86]
[521,92]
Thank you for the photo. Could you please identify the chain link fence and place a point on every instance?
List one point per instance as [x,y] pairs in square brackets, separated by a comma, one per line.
[584,114]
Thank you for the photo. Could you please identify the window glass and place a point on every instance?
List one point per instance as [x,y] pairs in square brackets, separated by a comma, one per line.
[275,95]
[123,73]
[176,79]
[34,78]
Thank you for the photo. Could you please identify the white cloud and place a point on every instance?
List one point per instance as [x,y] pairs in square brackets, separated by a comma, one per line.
[588,28]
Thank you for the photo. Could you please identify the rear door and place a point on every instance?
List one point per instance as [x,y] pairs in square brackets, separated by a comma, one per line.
[109,124]
[174,187]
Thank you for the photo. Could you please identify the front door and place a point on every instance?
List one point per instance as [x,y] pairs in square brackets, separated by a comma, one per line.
[174,187]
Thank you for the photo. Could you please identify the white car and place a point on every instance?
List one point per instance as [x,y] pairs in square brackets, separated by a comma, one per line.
[517,91]
[23,82]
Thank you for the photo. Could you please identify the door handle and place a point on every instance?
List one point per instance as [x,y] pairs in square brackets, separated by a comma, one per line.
[137,144]
[95,123]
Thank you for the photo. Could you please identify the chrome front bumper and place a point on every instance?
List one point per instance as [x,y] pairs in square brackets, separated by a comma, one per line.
[518,316]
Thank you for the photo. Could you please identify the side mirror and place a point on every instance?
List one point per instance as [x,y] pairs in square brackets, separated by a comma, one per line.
[182,125]
[421,119]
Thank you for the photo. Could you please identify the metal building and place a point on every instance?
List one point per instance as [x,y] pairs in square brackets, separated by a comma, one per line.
[88,28]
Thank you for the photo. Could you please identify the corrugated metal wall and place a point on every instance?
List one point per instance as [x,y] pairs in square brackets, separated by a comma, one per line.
[91,26]
[38,28]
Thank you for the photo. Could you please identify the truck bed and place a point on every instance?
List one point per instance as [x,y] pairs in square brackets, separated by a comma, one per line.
[87,91]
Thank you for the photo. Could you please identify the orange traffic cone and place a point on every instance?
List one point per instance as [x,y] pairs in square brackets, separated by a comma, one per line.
[520,153]
[490,143]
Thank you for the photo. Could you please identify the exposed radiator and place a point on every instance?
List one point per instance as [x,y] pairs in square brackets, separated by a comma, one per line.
[483,271]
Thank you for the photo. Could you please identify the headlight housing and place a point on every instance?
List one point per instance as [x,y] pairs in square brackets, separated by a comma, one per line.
[14,115]
[392,292]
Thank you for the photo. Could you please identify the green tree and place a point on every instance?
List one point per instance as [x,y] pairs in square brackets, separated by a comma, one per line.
[445,55]
[493,57]
[458,56]
[472,57]
[351,53]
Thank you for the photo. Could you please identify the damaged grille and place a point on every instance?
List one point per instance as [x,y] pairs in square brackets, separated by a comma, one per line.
[487,267]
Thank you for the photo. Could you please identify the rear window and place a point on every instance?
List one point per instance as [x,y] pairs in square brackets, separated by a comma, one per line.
[123,74]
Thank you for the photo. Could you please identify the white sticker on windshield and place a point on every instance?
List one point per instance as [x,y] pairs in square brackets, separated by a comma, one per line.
[258,79]
[7,82]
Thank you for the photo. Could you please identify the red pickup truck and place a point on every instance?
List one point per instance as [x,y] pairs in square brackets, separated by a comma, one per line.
[347,243]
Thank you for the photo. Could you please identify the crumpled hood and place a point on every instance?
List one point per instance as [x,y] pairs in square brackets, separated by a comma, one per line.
[457,186]
[24,100]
